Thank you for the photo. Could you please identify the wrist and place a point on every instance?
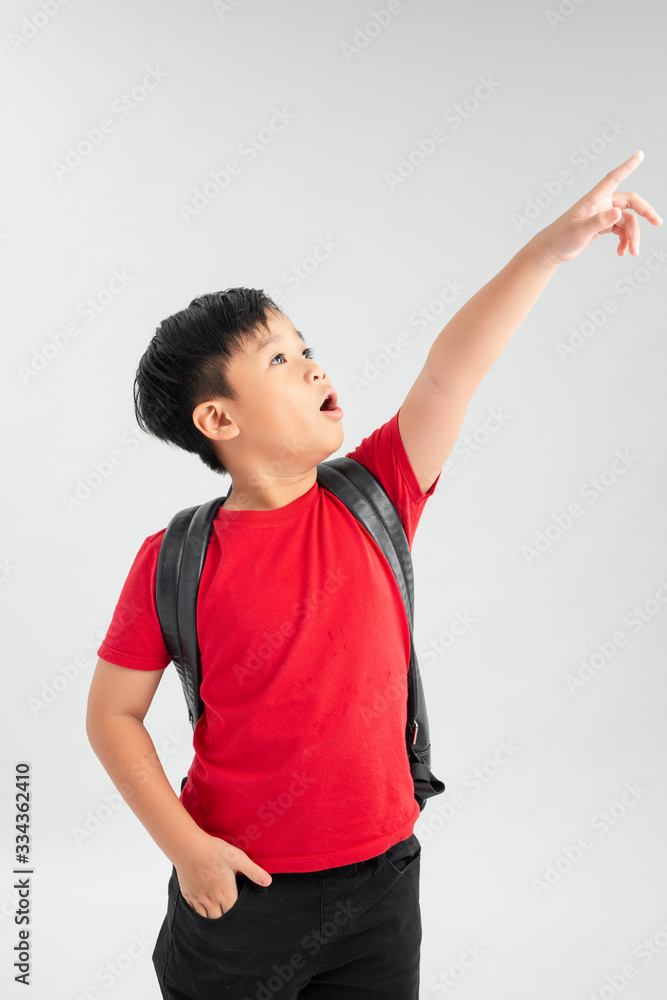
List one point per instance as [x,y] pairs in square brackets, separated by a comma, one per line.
[204,851]
[537,250]
[186,840]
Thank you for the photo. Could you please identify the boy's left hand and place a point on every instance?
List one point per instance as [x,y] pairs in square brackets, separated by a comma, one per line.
[603,210]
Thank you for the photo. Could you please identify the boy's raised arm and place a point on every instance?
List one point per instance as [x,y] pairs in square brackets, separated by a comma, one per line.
[432,413]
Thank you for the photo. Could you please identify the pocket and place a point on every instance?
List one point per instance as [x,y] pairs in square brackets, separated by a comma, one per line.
[403,855]
[241,883]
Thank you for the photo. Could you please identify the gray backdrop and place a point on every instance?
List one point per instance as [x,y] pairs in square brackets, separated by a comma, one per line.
[541,639]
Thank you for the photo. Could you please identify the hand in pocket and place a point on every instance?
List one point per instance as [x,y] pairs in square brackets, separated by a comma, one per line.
[208,876]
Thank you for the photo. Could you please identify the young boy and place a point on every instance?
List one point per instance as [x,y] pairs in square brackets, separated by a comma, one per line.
[295,869]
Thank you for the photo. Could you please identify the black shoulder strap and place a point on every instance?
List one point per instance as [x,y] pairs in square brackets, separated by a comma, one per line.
[367,499]
[180,564]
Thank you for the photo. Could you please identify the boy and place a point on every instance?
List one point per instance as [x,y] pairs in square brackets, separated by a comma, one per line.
[295,871]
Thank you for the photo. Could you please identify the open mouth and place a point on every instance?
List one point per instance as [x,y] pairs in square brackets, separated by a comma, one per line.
[330,401]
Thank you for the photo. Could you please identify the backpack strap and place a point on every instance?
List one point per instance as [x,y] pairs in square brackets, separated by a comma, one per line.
[179,566]
[367,499]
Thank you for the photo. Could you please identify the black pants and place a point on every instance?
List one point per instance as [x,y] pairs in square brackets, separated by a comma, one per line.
[338,934]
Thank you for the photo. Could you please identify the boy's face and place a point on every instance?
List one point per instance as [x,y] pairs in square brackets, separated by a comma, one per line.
[276,427]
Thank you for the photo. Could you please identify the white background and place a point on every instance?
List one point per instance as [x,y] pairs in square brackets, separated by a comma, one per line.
[361,99]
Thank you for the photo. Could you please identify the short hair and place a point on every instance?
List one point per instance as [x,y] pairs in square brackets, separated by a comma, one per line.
[187,362]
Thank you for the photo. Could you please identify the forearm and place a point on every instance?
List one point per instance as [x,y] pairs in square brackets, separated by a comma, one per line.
[464,351]
[124,747]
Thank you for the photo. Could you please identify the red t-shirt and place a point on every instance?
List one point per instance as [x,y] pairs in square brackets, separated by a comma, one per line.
[300,757]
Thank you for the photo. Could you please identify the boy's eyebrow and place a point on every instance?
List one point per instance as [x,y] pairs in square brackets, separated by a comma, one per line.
[270,340]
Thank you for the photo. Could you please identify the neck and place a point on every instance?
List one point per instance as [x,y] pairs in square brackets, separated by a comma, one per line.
[270,496]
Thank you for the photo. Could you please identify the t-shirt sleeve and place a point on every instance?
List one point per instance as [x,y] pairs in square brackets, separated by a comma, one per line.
[134,637]
[384,454]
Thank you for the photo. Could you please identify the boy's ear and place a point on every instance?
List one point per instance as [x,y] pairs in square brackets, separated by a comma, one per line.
[214,421]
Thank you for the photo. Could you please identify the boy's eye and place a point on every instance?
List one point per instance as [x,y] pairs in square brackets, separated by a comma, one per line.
[307,350]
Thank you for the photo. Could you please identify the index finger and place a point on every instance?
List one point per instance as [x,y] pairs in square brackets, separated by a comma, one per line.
[609,183]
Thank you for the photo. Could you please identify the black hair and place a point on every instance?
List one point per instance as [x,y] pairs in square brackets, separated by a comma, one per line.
[186,363]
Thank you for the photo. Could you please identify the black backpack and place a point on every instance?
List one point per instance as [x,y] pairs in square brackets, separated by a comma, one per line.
[179,569]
